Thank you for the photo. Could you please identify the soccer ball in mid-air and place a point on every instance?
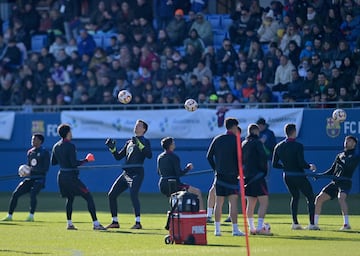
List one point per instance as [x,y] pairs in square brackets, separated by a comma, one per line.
[124,96]
[339,115]
[24,170]
[191,105]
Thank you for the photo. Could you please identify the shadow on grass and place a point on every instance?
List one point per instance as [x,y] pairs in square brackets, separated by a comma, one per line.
[318,238]
[22,252]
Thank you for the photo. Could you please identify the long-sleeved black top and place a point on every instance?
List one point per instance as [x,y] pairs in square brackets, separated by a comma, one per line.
[222,156]
[39,161]
[168,166]
[344,165]
[134,155]
[254,157]
[64,154]
[291,155]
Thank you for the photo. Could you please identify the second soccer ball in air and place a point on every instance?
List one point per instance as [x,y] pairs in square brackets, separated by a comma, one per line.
[191,105]
[124,96]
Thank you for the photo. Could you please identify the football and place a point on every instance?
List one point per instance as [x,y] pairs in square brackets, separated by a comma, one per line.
[191,105]
[124,96]
[267,227]
[24,170]
[339,115]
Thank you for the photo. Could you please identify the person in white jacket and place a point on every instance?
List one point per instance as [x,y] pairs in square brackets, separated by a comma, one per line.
[283,74]
[268,30]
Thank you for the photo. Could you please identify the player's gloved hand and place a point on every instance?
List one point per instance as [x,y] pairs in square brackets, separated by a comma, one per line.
[111,144]
[138,143]
[90,157]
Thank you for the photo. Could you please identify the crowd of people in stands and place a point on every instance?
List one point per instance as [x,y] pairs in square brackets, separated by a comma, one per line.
[164,51]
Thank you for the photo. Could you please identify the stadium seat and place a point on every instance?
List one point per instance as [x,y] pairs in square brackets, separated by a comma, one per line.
[38,42]
[226,21]
[218,38]
[107,39]
[98,38]
[181,50]
[215,21]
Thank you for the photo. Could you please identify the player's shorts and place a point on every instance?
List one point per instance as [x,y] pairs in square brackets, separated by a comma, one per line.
[167,188]
[334,188]
[256,188]
[225,189]
[70,185]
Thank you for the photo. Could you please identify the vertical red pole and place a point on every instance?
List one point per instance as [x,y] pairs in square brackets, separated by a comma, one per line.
[242,191]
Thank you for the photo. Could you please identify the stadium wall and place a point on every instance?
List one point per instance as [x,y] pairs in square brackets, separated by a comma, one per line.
[321,138]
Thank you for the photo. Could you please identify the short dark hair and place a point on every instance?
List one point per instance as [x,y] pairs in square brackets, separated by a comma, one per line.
[40,137]
[230,122]
[352,137]
[252,128]
[289,129]
[166,142]
[144,124]
[63,130]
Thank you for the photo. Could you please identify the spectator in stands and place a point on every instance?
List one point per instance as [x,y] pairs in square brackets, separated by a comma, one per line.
[332,96]
[195,40]
[327,51]
[248,88]
[12,57]
[306,35]
[226,58]
[202,70]
[283,74]
[57,25]
[28,89]
[255,53]
[242,72]
[290,35]
[316,63]
[52,90]
[162,41]
[312,17]
[71,46]
[176,29]
[198,5]
[170,90]
[294,53]
[100,19]
[126,18]
[327,68]
[98,58]
[350,27]
[56,46]
[142,9]
[296,86]
[268,30]
[21,34]
[180,88]
[107,98]
[59,75]
[348,69]
[203,28]
[241,24]
[263,92]
[163,12]
[223,88]
[209,58]
[322,84]
[336,78]
[192,56]
[71,12]
[341,52]
[146,27]
[30,19]
[146,58]
[86,44]
[206,86]
[307,52]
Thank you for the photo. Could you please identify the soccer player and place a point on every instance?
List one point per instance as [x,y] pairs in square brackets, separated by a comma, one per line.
[291,154]
[222,157]
[64,154]
[342,169]
[135,151]
[255,168]
[38,158]
[267,137]
[168,167]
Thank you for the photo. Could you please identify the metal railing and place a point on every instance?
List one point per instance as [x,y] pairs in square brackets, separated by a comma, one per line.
[58,108]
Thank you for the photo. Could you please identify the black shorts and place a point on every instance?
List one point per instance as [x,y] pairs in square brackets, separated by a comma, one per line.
[334,188]
[167,188]
[70,185]
[256,188]
[225,189]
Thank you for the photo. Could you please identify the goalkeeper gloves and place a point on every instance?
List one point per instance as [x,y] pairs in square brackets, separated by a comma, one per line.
[138,143]
[111,144]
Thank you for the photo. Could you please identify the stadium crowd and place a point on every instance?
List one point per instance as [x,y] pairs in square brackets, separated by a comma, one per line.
[165,51]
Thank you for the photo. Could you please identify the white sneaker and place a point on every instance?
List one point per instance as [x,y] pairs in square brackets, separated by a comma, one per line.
[313,227]
[217,233]
[296,226]
[238,233]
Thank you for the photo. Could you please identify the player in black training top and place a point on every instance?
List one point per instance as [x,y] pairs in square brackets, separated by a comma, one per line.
[222,157]
[342,169]
[291,154]
[64,154]
[38,158]
[168,167]
[255,169]
[135,151]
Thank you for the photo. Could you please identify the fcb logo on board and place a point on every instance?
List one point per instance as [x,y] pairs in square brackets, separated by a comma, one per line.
[332,128]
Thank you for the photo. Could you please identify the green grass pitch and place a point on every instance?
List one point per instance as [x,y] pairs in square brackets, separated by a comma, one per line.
[48,234]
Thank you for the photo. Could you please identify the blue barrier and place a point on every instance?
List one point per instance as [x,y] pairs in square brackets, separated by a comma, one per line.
[321,141]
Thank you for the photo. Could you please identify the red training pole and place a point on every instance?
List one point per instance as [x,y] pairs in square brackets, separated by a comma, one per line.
[242,190]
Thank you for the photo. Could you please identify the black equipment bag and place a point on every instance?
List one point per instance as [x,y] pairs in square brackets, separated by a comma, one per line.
[184,202]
